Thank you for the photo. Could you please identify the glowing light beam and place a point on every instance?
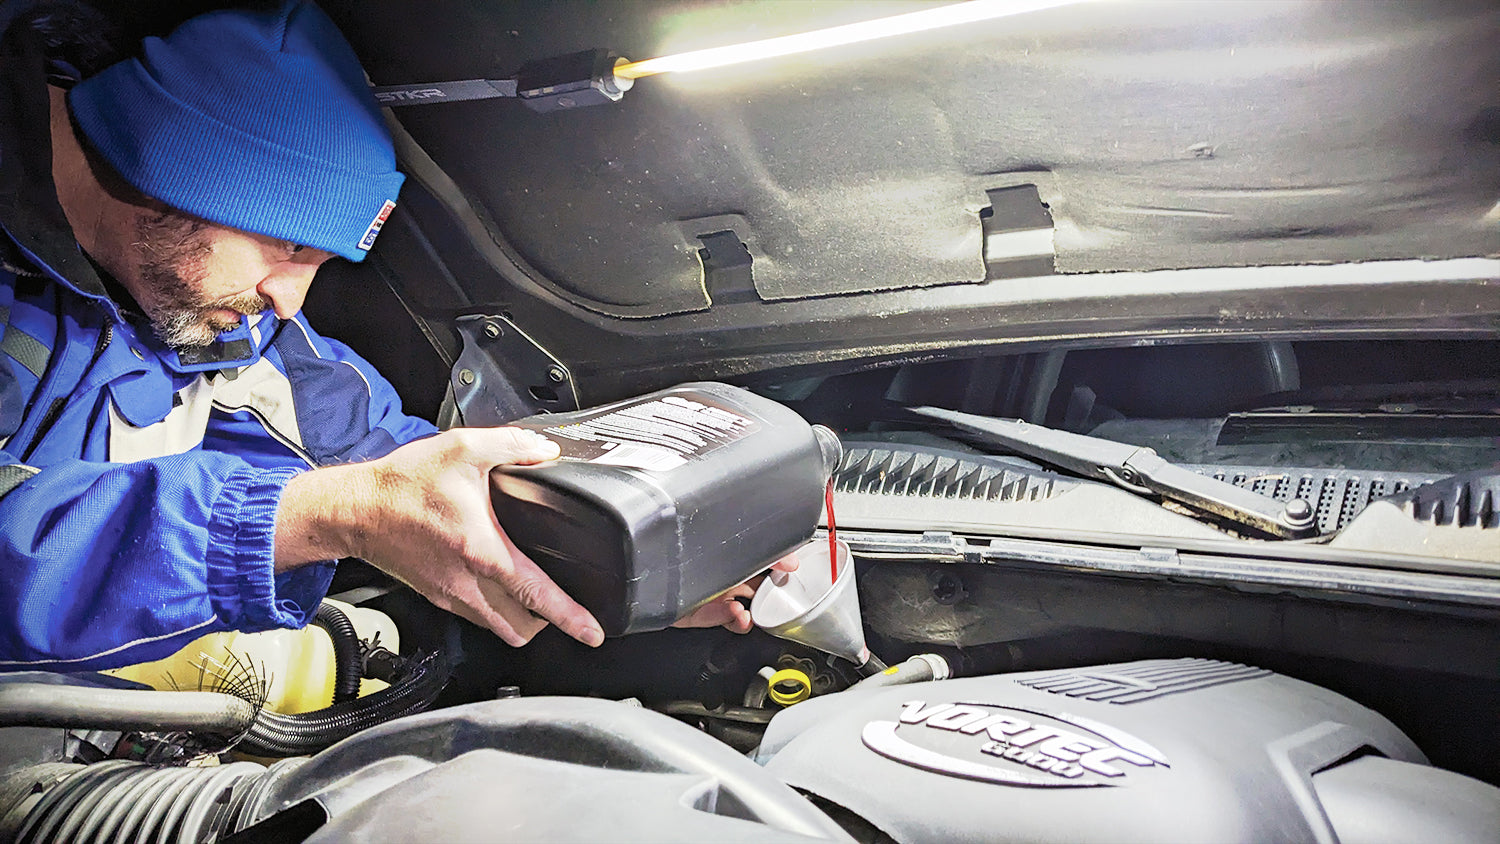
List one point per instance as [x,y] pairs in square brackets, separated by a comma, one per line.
[837,36]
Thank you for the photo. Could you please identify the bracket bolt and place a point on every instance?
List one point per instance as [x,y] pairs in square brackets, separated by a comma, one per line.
[557,375]
[1297,510]
[466,376]
[492,330]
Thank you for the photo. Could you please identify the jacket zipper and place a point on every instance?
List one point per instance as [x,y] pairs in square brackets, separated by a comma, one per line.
[55,409]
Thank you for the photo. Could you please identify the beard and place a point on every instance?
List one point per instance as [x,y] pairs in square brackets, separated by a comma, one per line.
[172,249]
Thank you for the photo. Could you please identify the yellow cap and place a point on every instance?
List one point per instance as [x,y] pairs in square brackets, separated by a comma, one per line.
[794,686]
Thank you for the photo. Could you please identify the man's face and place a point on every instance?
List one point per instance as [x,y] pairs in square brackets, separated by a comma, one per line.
[195,279]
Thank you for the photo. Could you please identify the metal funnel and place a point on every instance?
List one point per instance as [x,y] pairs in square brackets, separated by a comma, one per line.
[809,607]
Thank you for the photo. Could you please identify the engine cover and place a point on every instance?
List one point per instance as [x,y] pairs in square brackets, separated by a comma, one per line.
[1160,750]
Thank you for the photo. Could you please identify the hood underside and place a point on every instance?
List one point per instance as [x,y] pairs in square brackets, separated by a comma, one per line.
[1096,138]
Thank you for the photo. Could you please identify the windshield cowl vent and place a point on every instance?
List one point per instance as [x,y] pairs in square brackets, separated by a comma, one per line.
[931,473]
[1337,495]
[1467,500]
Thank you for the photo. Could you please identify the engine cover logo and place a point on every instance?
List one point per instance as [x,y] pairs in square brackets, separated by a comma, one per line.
[1000,744]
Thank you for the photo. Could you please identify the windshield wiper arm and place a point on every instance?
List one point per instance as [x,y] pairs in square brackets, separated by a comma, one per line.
[1137,469]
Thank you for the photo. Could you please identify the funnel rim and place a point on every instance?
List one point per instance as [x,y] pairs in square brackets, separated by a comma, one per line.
[846,573]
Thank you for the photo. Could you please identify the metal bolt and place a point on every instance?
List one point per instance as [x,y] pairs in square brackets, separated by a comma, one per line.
[492,330]
[557,374]
[947,588]
[466,376]
[1298,510]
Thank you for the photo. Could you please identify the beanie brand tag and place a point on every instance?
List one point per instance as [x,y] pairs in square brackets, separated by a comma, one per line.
[376,225]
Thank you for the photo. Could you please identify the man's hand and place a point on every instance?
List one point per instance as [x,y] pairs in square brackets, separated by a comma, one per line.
[422,513]
[726,610]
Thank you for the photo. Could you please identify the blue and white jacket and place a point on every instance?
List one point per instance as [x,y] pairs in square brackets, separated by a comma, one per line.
[139,486]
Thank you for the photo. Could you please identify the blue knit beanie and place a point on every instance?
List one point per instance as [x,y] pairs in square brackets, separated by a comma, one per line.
[257,120]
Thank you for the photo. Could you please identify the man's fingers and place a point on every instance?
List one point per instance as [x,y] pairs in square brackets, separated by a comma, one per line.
[744,590]
[437,530]
[788,563]
[732,614]
[522,579]
[500,446]
[739,618]
[489,606]
[535,591]
[723,611]
[503,614]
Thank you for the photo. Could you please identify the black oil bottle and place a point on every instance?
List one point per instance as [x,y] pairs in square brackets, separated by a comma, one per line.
[663,501]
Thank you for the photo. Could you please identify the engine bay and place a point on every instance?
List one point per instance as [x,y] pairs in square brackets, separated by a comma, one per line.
[1150,359]
[1055,598]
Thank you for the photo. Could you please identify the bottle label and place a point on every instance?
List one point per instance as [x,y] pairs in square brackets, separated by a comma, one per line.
[658,434]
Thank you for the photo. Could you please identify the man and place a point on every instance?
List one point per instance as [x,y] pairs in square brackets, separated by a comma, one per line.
[163,402]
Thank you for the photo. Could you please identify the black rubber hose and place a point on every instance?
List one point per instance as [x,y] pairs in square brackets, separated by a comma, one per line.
[346,662]
[275,734]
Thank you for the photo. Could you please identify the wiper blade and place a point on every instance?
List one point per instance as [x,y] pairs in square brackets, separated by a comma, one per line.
[1139,470]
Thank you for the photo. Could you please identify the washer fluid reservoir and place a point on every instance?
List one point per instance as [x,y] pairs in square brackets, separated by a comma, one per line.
[659,503]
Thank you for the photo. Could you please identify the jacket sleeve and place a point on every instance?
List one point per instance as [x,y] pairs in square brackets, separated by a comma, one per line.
[111,564]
